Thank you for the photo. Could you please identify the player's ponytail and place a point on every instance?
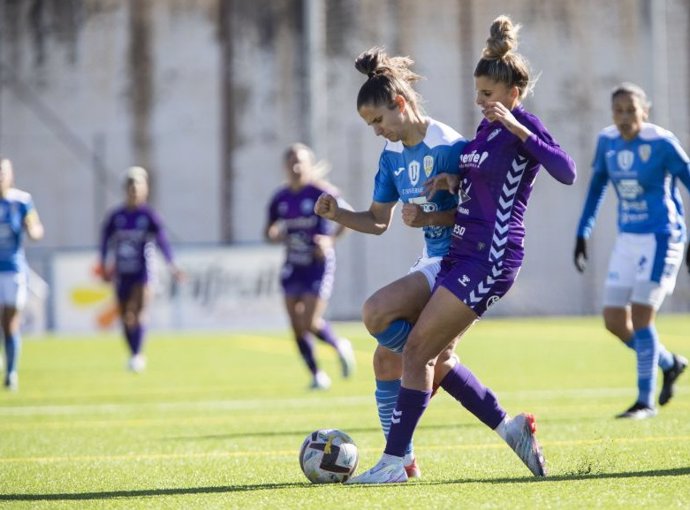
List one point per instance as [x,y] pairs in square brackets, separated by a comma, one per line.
[500,61]
[387,77]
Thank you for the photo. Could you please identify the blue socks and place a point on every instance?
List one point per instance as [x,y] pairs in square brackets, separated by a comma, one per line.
[386,396]
[665,357]
[12,348]
[647,348]
[395,335]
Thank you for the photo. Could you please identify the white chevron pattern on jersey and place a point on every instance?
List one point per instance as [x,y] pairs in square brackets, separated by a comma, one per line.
[505,206]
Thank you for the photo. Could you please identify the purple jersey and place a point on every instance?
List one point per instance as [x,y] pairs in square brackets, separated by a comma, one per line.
[498,171]
[302,224]
[129,234]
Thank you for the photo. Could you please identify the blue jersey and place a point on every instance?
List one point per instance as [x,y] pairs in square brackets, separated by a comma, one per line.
[404,170]
[13,210]
[644,172]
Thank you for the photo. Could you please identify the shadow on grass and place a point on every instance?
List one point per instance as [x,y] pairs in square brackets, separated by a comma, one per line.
[79,496]
[350,430]
[355,430]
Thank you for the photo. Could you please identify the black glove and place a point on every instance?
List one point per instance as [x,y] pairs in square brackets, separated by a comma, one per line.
[581,254]
[687,258]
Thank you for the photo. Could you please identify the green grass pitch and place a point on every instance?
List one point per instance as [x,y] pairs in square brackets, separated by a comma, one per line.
[217,420]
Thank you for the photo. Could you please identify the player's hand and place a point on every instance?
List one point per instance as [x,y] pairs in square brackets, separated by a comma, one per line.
[177,274]
[580,256]
[495,110]
[322,245]
[413,215]
[443,181]
[327,206]
[103,272]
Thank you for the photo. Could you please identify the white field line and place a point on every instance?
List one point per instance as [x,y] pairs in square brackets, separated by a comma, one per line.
[294,403]
[291,453]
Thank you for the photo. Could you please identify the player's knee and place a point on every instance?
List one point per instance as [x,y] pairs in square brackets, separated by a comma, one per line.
[387,364]
[415,353]
[374,315]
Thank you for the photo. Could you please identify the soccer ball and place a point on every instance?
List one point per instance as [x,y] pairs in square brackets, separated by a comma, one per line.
[328,456]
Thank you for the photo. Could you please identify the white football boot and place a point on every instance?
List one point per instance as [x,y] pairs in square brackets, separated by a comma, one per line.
[321,381]
[347,357]
[389,469]
[520,436]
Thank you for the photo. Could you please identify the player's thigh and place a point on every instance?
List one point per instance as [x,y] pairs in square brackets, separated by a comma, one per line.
[620,277]
[442,320]
[402,299]
[314,308]
[13,289]
[617,319]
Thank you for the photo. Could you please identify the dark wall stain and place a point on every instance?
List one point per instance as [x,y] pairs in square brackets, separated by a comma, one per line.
[140,93]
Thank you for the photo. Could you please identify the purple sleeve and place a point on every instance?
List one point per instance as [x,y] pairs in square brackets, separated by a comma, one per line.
[550,155]
[161,237]
[106,233]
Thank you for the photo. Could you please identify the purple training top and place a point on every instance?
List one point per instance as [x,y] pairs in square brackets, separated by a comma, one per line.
[130,234]
[302,224]
[497,172]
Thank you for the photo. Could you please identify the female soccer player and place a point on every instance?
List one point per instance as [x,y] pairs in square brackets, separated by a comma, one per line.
[497,169]
[127,238]
[17,215]
[309,269]
[643,162]
[417,149]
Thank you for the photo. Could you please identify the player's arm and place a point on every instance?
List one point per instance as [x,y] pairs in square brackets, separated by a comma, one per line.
[593,201]
[376,220]
[413,215]
[274,232]
[33,225]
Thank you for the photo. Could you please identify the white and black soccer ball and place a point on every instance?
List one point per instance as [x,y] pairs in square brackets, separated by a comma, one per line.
[328,456]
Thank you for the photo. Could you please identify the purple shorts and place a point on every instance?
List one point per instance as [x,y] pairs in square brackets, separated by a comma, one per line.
[125,283]
[477,283]
[316,278]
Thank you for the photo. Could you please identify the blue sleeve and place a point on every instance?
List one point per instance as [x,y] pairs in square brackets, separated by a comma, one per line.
[384,187]
[596,192]
[450,158]
[677,162]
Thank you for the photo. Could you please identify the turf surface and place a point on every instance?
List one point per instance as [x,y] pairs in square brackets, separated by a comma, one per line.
[216,421]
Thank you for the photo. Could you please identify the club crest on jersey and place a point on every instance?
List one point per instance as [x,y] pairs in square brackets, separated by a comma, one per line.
[625,160]
[493,134]
[428,165]
[492,301]
[645,152]
[413,171]
[307,206]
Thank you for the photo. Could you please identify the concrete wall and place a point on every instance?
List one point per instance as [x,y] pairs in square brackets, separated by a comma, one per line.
[207,94]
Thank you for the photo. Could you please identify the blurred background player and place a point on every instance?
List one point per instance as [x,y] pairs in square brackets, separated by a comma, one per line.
[126,252]
[308,272]
[17,215]
[643,162]
[498,168]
